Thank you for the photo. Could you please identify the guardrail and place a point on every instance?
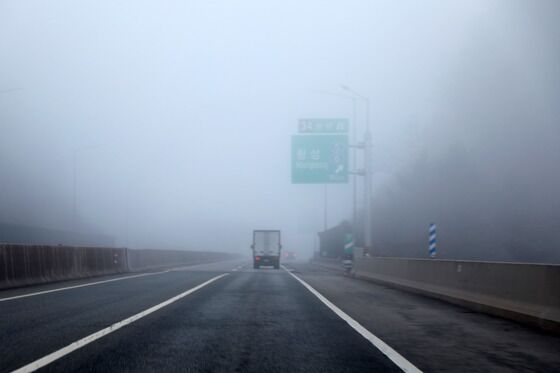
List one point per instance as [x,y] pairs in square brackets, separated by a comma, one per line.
[528,293]
[22,265]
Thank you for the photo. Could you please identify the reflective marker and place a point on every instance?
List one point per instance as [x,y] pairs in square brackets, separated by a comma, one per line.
[432,240]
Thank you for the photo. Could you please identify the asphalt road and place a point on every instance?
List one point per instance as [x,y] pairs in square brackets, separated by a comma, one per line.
[434,335]
[256,321]
[248,321]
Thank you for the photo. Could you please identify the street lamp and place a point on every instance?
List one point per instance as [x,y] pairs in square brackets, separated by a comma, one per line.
[354,152]
[364,98]
[367,169]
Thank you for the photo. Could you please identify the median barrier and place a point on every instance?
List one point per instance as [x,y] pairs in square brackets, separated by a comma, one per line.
[145,259]
[528,293]
[22,265]
[330,263]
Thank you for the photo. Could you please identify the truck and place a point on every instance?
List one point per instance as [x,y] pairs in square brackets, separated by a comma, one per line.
[266,248]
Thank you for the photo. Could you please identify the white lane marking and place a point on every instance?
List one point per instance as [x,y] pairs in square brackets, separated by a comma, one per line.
[238,268]
[81,285]
[202,265]
[393,355]
[176,269]
[31,367]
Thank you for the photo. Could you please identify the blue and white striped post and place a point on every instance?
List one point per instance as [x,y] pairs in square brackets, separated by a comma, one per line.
[432,240]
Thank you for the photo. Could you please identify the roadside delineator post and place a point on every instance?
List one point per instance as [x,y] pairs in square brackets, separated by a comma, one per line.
[432,240]
[348,252]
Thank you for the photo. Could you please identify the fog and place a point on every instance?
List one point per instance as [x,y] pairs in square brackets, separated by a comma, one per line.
[177,117]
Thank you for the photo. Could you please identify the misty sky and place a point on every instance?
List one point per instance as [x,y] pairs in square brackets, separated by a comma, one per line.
[180,114]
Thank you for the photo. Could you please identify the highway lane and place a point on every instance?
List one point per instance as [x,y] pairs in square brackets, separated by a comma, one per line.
[64,285]
[259,320]
[248,321]
[35,326]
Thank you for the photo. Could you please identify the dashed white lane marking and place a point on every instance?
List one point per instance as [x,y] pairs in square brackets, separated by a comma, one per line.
[393,355]
[238,268]
[31,367]
[81,285]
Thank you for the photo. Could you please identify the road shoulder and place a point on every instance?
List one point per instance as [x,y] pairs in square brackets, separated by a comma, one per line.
[432,334]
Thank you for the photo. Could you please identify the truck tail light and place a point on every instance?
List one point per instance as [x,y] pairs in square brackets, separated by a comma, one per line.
[257,258]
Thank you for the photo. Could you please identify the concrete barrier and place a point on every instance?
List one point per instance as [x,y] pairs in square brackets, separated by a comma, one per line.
[330,263]
[145,259]
[528,293]
[22,265]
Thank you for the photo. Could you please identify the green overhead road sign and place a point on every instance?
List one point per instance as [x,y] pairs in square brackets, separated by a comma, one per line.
[323,125]
[319,159]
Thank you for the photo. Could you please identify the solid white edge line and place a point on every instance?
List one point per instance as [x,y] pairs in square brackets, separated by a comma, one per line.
[393,355]
[80,286]
[31,367]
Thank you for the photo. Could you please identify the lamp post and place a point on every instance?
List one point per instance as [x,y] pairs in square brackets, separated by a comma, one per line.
[354,152]
[367,169]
